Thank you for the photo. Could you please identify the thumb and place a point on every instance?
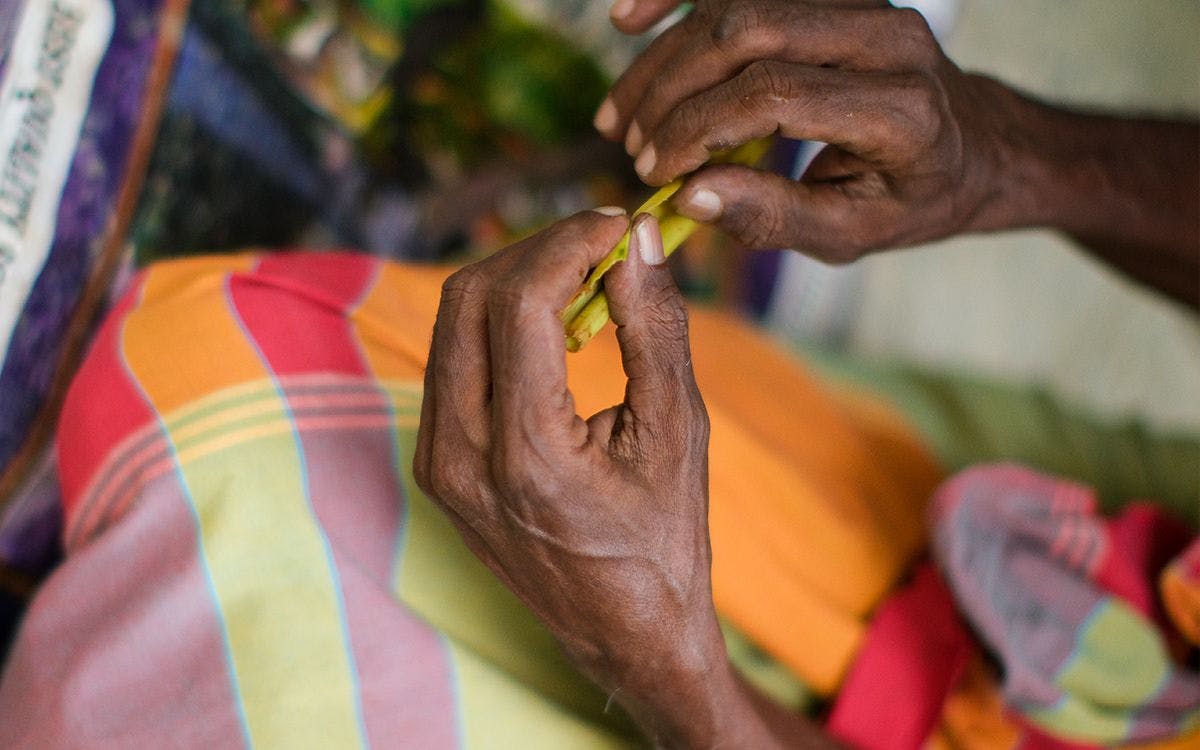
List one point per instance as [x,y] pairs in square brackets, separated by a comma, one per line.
[766,210]
[652,328]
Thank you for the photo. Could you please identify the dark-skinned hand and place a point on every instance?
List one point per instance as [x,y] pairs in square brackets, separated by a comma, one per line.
[918,150]
[600,526]
[914,147]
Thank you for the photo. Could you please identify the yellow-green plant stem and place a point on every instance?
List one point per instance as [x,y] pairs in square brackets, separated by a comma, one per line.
[593,315]
[587,311]
[591,285]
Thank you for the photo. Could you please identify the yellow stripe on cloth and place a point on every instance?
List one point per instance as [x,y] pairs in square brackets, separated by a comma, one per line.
[513,686]
[268,563]
[496,711]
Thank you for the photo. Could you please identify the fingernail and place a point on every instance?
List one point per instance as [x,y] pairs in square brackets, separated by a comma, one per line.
[702,205]
[646,160]
[620,9]
[647,240]
[610,210]
[606,117]
[633,139]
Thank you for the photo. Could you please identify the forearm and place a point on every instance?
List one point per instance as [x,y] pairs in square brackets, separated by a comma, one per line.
[1127,189]
[693,698]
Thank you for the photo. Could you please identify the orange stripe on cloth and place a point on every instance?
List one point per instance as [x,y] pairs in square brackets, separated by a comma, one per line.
[392,349]
[190,322]
[1180,589]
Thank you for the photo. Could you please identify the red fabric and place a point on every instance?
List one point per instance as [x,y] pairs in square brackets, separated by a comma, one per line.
[276,306]
[914,654]
[1142,542]
[81,448]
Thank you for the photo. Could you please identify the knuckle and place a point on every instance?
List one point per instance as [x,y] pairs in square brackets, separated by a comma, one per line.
[919,109]
[735,24]
[750,28]
[757,225]
[447,478]
[659,344]
[463,283]
[766,82]
[916,36]
[689,136]
[682,121]
[511,299]
[912,25]
[667,311]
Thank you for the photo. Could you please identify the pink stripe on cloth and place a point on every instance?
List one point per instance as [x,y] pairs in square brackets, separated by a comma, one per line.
[1061,619]
[405,676]
[122,646]
[298,310]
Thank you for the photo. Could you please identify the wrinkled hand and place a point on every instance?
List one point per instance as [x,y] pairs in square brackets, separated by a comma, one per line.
[916,145]
[599,526]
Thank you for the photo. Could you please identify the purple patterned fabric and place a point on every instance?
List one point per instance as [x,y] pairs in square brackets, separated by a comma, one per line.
[88,200]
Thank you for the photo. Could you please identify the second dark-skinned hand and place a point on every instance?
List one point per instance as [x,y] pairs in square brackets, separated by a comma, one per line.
[916,150]
[600,525]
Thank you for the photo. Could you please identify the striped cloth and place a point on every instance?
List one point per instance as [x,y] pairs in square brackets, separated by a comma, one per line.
[235,552]
[249,561]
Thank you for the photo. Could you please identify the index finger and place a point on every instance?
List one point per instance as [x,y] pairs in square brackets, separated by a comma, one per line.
[878,117]
[529,373]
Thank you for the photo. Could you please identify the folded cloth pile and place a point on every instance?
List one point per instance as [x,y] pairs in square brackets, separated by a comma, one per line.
[1068,604]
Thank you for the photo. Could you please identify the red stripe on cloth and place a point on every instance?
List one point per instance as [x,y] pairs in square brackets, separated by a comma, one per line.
[90,427]
[338,279]
[915,652]
[294,308]
[297,309]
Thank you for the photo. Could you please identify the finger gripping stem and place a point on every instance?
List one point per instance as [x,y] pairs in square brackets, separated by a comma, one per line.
[587,311]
